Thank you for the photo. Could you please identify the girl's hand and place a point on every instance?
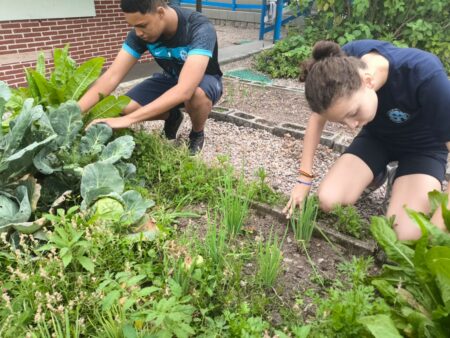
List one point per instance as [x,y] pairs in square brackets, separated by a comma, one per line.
[298,195]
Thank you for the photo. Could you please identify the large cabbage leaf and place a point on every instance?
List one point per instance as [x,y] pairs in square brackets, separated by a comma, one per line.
[135,206]
[29,133]
[99,179]
[67,123]
[95,139]
[14,209]
[121,148]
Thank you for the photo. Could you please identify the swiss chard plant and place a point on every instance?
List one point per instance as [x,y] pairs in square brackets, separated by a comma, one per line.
[67,81]
[416,282]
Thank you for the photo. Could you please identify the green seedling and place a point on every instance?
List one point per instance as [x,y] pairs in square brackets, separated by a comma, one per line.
[234,203]
[303,221]
[270,258]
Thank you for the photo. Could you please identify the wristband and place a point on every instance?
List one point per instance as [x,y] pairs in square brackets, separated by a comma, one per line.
[304,173]
[303,182]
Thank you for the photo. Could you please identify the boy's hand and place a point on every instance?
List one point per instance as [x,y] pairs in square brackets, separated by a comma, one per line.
[114,122]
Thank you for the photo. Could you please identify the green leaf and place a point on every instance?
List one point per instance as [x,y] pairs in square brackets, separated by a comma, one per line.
[47,93]
[14,210]
[437,236]
[40,64]
[135,206]
[110,299]
[67,123]
[135,280]
[110,106]
[436,198]
[387,239]
[64,67]
[129,331]
[438,260]
[121,148]
[99,179]
[5,92]
[95,138]
[67,259]
[380,326]
[147,291]
[86,263]
[83,77]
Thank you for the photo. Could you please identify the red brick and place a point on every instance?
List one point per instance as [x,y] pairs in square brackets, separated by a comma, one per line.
[10,25]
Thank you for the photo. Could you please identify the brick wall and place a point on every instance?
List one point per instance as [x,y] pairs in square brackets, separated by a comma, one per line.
[21,41]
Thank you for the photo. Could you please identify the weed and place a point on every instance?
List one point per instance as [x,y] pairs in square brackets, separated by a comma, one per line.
[59,328]
[348,220]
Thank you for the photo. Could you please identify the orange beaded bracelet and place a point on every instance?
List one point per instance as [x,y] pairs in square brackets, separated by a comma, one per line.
[304,173]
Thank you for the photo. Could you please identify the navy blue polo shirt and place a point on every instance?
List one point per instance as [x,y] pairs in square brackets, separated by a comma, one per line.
[414,103]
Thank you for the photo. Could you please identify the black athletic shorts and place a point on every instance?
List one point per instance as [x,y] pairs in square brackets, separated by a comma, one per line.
[377,154]
[153,87]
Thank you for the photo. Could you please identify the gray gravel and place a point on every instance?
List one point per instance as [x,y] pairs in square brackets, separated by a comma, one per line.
[250,149]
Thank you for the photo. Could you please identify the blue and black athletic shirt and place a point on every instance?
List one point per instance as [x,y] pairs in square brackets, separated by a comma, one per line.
[414,103]
[195,35]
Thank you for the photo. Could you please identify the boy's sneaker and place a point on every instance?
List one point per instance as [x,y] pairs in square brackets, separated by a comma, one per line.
[196,143]
[173,123]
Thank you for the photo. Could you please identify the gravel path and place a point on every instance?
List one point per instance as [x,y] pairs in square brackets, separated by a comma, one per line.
[252,149]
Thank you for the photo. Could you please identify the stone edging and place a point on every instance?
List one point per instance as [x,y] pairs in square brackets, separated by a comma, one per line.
[337,142]
[352,245]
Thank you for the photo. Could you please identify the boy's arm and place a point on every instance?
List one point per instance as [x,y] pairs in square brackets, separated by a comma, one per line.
[108,81]
[190,77]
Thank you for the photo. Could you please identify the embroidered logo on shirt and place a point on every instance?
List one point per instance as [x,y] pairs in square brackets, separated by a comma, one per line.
[397,116]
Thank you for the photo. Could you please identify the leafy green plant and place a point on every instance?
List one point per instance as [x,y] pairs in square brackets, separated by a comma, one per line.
[270,258]
[348,220]
[284,58]
[303,221]
[172,316]
[69,241]
[417,286]
[406,23]
[66,82]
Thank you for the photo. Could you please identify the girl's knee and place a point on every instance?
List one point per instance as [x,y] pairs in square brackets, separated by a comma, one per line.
[329,198]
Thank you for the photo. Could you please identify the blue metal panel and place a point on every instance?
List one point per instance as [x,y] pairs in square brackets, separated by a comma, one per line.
[233,6]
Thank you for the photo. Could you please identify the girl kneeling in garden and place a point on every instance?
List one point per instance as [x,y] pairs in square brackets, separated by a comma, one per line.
[401,99]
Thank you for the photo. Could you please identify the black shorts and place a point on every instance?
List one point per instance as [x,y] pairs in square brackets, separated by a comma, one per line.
[377,154]
[150,89]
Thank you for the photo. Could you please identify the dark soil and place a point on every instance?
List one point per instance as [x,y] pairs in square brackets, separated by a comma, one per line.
[297,275]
